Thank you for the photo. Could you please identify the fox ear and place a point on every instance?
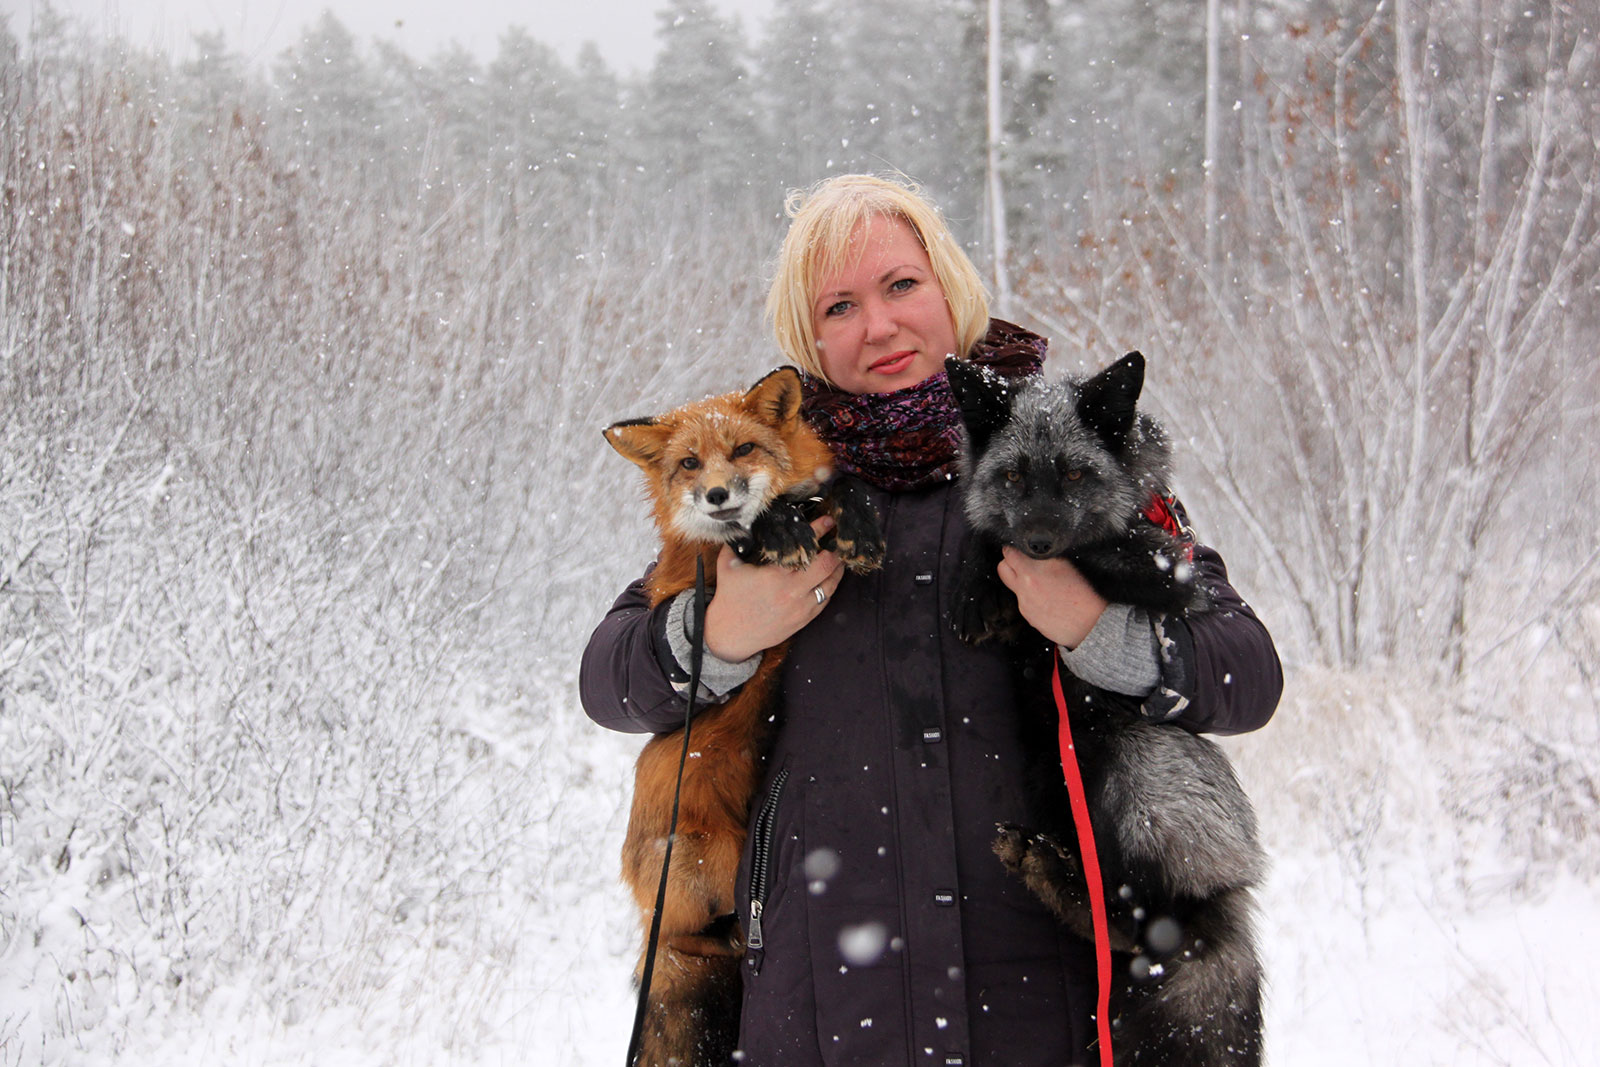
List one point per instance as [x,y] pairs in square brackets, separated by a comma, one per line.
[776,398]
[983,397]
[641,440]
[1107,401]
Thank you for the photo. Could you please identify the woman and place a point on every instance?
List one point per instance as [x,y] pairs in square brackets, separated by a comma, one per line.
[889,932]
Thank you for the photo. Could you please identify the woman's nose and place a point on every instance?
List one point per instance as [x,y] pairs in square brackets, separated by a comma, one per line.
[879,320]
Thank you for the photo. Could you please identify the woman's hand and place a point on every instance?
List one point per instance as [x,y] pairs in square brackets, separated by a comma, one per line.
[755,607]
[1051,594]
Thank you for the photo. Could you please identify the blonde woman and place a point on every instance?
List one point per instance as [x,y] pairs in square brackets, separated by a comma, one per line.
[889,932]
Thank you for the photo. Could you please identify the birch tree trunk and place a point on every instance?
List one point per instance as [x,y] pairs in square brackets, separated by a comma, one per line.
[996,184]
[1213,127]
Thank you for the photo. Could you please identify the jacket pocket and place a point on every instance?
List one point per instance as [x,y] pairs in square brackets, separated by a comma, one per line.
[763,831]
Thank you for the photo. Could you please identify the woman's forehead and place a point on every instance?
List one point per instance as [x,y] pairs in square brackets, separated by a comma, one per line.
[869,245]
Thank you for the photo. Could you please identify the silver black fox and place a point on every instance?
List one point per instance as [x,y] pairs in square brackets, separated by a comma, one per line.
[1071,468]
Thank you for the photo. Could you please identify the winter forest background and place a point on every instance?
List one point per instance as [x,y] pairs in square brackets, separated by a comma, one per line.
[304,513]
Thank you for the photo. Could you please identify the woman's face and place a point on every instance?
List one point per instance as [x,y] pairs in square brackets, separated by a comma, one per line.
[881,320]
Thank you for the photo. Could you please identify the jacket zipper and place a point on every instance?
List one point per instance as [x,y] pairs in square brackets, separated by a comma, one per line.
[761,859]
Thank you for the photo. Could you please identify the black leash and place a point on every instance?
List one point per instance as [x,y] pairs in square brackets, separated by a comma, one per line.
[696,654]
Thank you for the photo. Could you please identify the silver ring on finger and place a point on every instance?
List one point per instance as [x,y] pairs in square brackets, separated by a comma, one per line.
[820,593]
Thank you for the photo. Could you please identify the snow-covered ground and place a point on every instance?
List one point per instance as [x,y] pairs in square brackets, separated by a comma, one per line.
[1387,939]
[1413,980]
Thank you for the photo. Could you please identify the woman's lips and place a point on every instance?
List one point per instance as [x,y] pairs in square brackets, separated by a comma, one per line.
[893,364]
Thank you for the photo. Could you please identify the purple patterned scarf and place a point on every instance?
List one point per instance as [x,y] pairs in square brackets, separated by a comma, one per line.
[908,439]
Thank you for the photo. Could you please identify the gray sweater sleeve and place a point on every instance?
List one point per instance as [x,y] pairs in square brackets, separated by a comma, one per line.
[718,677]
[1120,654]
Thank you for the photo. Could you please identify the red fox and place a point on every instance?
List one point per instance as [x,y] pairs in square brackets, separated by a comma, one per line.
[741,469]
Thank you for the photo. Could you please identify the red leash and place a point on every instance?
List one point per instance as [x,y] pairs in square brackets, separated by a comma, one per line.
[1091,869]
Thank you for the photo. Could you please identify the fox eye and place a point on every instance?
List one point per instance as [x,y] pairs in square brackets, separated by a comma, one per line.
[1074,475]
[744,450]
[689,463]
[1013,476]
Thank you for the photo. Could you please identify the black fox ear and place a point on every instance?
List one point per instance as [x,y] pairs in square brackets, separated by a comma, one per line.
[641,440]
[776,398]
[983,397]
[1107,402]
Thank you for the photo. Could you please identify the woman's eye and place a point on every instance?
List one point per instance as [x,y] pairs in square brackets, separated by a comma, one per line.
[689,463]
[903,285]
[744,450]
[837,309]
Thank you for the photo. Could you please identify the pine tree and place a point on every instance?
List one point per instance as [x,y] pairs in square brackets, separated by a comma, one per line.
[1046,161]
[598,110]
[912,92]
[700,125]
[798,86]
[1134,71]
[532,110]
[330,95]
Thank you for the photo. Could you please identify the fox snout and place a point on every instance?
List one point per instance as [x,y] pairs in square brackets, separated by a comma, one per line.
[730,494]
[1038,544]
[1043,536]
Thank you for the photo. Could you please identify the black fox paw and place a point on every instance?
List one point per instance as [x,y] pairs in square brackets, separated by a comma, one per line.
[860,550]
[977,626]
[1017,846]
[857,536]
[1045,866]
[985,612]
[782,535]
[1011,845]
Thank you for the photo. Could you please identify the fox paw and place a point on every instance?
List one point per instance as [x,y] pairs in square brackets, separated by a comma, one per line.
[976,626]
[983,613]
[782,535]
[1011,845]
[857,536]
[1045,866]
[860,549]
[1020,848]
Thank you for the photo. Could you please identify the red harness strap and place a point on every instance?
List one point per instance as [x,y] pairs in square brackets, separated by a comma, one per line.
[1162,511]
[1091,869]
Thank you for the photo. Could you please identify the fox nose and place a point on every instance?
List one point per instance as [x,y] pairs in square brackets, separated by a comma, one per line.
[1038,547]
[716,497]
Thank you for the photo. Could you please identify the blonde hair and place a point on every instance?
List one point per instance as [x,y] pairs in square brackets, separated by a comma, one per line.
[823,219]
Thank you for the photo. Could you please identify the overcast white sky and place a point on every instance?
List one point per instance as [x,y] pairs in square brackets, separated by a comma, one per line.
[624,30]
